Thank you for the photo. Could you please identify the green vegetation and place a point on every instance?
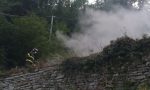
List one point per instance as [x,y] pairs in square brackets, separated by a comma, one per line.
[19,38]
[25,24]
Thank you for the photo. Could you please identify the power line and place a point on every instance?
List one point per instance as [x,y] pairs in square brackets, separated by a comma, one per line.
[10,15]
[52,20]
[4,14]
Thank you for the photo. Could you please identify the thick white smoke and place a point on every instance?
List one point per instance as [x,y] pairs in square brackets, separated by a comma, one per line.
[100,27]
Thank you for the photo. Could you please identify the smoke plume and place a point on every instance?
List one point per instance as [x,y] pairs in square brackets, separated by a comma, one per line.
[98,28]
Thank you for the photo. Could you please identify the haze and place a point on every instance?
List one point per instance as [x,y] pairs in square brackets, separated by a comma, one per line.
[100,27]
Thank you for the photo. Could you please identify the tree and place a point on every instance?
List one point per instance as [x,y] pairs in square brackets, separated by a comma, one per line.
[19,38]
[108,4]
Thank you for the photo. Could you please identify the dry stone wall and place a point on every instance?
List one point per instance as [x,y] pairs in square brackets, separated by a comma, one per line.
[53,79]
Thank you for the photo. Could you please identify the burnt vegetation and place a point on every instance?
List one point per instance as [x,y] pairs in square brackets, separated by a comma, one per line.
[121,52]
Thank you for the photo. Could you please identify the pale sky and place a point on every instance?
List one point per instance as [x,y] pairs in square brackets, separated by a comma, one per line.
[91,1]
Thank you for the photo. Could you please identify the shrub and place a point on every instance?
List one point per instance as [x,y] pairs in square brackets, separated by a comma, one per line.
[119,52]
[143,86]
[20,37]
[119,48]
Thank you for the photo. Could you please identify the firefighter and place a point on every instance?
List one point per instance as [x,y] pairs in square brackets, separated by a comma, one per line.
[31,57]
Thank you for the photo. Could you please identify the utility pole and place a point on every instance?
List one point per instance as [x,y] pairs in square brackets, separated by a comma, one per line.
[52,20]
[51,28]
